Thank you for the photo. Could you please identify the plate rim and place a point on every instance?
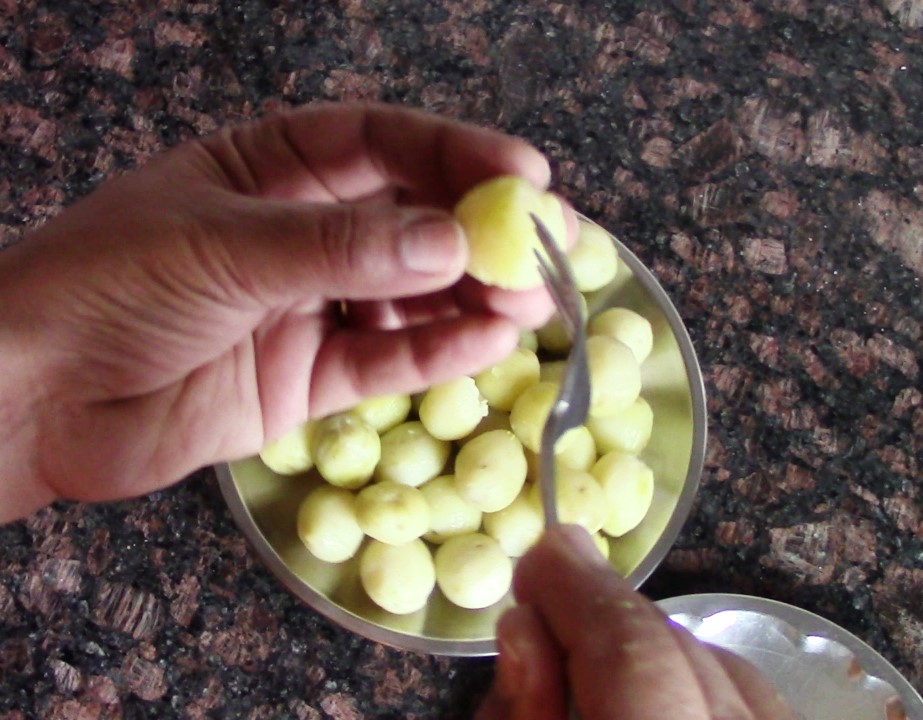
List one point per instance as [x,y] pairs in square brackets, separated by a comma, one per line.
[806,622]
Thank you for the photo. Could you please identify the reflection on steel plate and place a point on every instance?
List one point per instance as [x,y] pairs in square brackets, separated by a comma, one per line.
[822,671]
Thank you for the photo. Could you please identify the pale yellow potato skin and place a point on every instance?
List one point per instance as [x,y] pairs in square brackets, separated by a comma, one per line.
[501,235]
[580,451]
[615,375]
[528,340]
[580,499]
[410,455]
[602,544]
[504,382]
[392,513]
[553,337]
[552,371]
[384,411]
[518,526]
[291,453]
[628,484]
[450,514]
[529,413]
[327,524]
[452,409]
[594,260]
[398,578]
[628,430]
[473,571]
[491,470]
[493,420]
[346,450]
[628,327]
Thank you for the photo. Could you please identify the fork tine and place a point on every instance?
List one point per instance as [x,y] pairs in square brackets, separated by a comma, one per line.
[562,284]
[555,253]
[553,285]
[572,402]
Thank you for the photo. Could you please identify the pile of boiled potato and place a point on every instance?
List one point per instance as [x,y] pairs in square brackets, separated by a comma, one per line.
[439,488]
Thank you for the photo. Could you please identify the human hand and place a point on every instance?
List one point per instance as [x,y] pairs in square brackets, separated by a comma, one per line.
[188,312]
[580,628]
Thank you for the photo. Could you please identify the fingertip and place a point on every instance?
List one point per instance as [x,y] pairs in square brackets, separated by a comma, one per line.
[570,544]
[571,222]
[576,542]
[533,165]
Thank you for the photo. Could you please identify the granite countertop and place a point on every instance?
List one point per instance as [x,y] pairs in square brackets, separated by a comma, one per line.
[763,157]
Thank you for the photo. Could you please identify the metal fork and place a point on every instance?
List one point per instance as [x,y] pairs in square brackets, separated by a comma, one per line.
[573,402]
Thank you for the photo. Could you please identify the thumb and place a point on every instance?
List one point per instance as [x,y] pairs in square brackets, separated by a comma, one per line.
[287,250]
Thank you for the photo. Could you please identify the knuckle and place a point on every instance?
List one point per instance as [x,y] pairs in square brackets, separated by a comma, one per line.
[337,241]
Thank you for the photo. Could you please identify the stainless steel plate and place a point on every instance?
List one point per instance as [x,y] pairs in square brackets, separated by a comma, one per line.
[264,505]
[823,671]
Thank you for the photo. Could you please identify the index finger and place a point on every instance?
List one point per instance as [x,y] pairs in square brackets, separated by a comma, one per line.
[345,152]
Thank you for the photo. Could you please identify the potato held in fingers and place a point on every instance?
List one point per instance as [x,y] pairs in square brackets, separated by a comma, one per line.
[500,232]
[291,453]
[346,450]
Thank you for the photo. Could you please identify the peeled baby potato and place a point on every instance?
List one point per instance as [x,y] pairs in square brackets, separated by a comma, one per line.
[450,514]
[473,571]
[493,420]
[490,470]
[628,484]
[580,451]
[392,513]
[552,371]
[529,413]
[398,578]
[346,450]
[580,499]
[501,234]
[615,375]
[504,382]
[452,409]
[327,524]
[410,455]
[291,453]
[593,259]
[384,411]
[628,327]
[628,430]
[518,526]
[528,340]
[553,337]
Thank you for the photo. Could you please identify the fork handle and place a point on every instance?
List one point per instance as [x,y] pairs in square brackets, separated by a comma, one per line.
[547,485]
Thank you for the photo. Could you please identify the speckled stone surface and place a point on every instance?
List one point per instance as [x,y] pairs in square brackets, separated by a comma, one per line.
[763,157]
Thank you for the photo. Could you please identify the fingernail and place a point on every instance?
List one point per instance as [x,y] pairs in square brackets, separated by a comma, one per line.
[579,545]
[509,670]
[430,242]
